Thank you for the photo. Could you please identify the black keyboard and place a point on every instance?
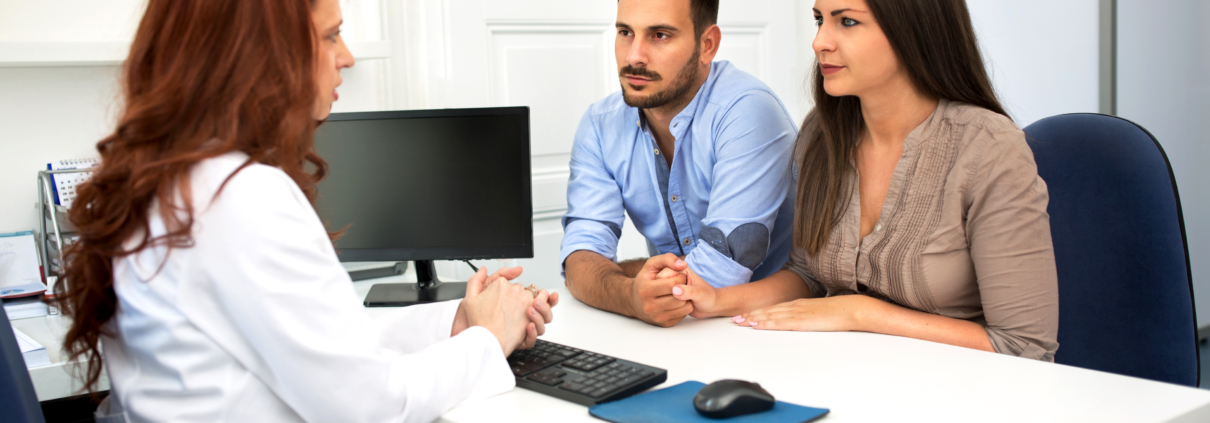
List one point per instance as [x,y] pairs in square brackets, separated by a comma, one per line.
[580,376]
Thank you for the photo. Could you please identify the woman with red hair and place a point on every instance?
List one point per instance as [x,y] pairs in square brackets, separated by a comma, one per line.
[203,275]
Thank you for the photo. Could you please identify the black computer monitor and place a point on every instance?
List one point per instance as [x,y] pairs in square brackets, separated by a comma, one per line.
[424,185]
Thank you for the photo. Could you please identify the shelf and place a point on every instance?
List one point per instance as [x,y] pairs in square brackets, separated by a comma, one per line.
[112,53]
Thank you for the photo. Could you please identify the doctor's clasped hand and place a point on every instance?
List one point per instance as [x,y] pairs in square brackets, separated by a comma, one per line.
[514,315]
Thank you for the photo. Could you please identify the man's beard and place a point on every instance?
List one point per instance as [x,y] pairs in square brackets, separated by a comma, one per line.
[678,90]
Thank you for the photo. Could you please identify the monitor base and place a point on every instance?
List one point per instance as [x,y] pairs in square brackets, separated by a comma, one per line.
[379,272]
[406,294]
[427,289]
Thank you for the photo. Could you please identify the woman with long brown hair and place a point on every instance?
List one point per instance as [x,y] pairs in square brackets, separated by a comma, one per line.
[204,277]
[920,211]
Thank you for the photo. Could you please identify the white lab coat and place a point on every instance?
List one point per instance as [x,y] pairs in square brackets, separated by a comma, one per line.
[257,321]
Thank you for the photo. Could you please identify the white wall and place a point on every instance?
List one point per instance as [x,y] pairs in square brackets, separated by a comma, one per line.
[1041,54]
[1163,62]
[53,113]
[49,114]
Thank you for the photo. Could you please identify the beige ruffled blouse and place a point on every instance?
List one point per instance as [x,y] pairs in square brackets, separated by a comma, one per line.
[963,233]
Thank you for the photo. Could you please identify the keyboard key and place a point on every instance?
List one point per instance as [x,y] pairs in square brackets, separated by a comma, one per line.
[546,379]
[571,386]
[598,393]
[551,373]
[525,369]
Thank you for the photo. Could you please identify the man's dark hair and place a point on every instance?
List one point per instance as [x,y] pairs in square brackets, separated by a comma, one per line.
[704,13]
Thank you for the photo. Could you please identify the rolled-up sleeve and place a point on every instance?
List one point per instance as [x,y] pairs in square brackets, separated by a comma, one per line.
[595,212]
[751,179]
[1011,248]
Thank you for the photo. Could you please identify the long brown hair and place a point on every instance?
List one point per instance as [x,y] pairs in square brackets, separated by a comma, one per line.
[203,78]
[935,42]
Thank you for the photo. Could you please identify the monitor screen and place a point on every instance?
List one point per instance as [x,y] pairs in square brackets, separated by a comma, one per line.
[428,184]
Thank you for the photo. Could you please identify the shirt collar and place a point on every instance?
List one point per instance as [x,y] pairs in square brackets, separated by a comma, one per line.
[927,128]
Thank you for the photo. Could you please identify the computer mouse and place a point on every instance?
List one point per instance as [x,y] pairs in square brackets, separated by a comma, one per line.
[730,398]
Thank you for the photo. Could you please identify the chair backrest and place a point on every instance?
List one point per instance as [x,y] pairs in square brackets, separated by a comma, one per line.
[1125,290]
[18,401]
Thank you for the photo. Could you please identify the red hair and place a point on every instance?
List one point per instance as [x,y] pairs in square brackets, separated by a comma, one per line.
[204,78]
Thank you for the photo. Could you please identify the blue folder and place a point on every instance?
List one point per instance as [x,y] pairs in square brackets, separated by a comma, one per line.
[675,404]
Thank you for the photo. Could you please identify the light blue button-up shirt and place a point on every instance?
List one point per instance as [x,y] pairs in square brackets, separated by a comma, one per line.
[729,188]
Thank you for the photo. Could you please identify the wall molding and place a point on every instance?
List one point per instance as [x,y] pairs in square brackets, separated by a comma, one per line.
[762,47]
[556,175]
[548,172]
[112,53]
[549,214]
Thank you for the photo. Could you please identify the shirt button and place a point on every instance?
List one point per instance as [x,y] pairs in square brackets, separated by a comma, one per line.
[686,241]
[657,151]
[674,199]
[638,123]
[857,249]
[877,227]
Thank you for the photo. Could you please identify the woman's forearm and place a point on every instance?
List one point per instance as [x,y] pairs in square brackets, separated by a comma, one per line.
[779,287]
[886,318]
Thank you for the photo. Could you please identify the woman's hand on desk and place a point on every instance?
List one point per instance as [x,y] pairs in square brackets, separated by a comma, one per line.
[829,314]
[867,314]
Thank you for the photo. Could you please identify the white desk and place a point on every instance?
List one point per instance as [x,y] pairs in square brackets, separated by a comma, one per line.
[55,380]
[861,377]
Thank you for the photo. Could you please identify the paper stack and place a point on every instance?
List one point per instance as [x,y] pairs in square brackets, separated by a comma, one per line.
[25,307]
[35,354]
[18,263]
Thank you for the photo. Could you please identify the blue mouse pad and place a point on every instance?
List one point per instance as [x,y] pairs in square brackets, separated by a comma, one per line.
[675,404]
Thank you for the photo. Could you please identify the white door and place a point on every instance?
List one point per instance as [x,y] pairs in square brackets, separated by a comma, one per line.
[556,56]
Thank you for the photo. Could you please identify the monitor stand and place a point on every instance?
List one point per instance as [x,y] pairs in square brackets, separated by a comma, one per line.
[427,289]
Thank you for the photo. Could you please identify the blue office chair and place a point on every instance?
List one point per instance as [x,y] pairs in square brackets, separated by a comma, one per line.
[18,402]
[1125,288]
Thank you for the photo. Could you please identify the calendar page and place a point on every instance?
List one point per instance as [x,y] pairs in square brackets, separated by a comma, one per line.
[65,183]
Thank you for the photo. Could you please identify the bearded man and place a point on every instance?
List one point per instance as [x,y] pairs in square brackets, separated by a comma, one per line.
[696,152]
